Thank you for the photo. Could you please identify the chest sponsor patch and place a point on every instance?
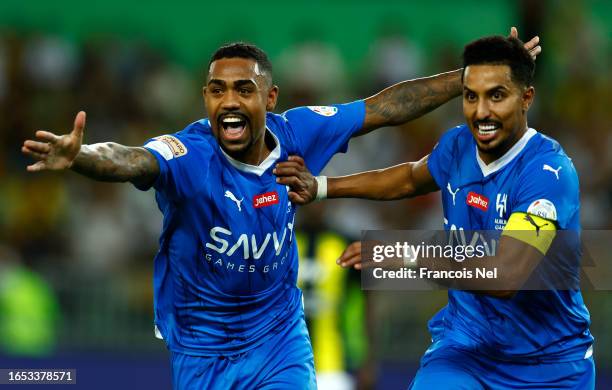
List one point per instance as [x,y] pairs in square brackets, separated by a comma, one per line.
[479,201]
[266,199]
[324,110]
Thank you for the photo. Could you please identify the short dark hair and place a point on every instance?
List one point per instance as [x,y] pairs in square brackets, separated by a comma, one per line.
[498,50]
[244,50]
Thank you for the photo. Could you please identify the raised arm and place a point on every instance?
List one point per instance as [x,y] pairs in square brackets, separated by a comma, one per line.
[411,99]
[407,100]
[108,161]
[401,181]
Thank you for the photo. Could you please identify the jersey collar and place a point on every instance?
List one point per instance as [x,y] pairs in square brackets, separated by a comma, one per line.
[263,166]
[507,157]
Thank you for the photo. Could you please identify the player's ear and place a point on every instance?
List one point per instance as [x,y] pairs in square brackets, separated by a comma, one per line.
[528,96]
[272,98]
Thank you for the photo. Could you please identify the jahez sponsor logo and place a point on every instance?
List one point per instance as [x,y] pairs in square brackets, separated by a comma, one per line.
[478,201]
[267,199]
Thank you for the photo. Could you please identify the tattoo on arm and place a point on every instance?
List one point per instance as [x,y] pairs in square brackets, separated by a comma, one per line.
[116,163]
[410,99]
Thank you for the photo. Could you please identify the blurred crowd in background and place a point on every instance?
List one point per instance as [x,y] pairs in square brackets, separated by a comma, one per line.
[80,252]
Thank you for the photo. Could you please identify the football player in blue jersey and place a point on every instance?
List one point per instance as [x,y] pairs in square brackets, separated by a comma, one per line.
[495,173]
[226,300]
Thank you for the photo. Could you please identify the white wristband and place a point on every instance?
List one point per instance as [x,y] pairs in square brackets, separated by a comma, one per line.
[321,187]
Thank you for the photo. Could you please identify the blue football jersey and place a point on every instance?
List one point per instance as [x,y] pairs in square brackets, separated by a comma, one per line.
[535,176]
[225,275]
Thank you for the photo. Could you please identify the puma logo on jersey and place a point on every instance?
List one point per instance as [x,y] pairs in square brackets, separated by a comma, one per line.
[228,194]
[547,167]
[529,219]
[450,190]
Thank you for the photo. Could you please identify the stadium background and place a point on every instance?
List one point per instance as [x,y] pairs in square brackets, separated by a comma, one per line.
[75,255]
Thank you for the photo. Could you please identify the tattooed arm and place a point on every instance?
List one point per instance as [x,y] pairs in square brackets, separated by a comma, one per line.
[410,99]
[104,162]
[116,163]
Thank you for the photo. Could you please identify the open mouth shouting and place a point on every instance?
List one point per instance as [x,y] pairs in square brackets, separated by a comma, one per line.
[486,130]
[232,126]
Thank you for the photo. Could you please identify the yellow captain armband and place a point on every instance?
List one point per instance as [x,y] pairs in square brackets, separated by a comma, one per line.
[532,230]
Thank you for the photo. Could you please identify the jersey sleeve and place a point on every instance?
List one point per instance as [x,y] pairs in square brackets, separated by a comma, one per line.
[548,188]
[182,166]
[322,131]
[441,157]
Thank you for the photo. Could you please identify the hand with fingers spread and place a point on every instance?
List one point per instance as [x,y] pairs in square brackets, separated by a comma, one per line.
[294,173]
[55,152]
[533,46]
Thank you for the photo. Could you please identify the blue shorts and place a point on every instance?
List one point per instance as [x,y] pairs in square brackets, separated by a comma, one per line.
[285,361]
[451,367]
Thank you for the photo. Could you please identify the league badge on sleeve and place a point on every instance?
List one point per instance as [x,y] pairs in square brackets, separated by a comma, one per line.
[324,110]
[543,208]
[161,148]
[168,146]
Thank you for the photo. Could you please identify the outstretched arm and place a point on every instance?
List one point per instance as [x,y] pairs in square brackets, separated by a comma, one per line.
[104,161]
[113,162]
[411,99]
[401,181]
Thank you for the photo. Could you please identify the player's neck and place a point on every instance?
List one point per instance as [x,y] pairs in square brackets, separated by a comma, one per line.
[490,156]
[260,150]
